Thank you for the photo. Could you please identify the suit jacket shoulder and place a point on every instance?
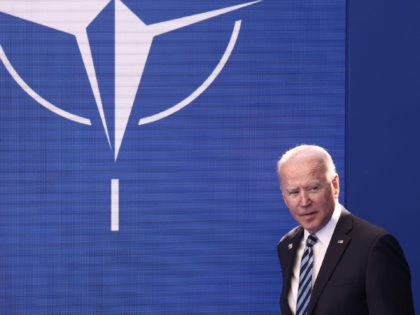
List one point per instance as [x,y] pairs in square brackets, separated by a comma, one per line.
[364,272]
[290,235]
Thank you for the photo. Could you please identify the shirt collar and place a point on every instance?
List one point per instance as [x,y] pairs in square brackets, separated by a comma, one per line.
[324,235]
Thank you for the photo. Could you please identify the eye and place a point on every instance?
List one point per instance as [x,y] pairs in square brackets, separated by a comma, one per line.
[293,193]
[314,188]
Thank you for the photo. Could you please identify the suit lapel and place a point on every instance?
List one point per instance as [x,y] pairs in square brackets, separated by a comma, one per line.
[290,254]
[338,244]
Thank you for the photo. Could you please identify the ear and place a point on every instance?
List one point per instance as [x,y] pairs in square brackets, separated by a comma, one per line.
[336,186]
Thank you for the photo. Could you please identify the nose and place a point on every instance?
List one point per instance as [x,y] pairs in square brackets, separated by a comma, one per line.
[305,200]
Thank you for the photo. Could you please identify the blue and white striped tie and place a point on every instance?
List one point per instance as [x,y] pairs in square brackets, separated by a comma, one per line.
[305,277]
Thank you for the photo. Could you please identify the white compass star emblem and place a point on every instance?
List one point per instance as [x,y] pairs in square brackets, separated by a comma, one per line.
[133,40]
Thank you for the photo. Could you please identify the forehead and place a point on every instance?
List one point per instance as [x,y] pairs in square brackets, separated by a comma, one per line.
[302,170]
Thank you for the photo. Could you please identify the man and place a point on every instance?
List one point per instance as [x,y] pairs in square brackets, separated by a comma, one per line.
[335,263]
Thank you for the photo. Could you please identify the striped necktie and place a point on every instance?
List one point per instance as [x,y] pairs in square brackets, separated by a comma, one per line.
[305,277]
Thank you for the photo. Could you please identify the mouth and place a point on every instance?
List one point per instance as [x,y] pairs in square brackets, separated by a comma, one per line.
[309,214]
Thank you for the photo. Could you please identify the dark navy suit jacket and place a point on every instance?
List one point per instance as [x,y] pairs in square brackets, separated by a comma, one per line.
[364,271]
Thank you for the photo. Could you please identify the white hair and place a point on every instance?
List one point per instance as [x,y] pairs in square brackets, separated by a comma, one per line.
[309,151]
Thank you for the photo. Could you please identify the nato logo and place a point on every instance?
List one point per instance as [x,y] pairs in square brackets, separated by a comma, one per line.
[132,43]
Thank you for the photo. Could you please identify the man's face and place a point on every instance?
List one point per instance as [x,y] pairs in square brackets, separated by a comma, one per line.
[308,193]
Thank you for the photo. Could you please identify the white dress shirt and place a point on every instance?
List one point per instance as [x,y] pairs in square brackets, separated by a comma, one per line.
[319,249]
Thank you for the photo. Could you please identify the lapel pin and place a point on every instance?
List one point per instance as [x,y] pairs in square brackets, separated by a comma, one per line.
[340,242]
[290,246]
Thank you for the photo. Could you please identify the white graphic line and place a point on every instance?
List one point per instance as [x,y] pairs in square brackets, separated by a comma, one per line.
[86,53]
[171,25]
[115,204]
[36,96]
[203,86]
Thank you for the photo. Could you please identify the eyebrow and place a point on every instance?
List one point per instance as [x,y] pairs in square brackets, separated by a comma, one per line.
[312,185]
[307,186]
[291,189]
